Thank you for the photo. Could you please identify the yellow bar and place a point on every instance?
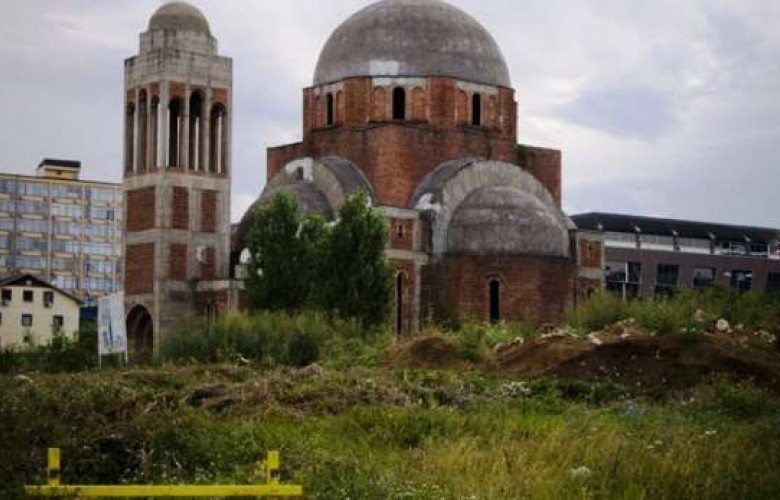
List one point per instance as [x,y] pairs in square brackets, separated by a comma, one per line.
[53,469]
[272,467]
[279,490]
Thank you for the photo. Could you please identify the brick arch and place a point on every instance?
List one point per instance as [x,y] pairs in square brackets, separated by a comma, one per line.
[443,191]
[140,334]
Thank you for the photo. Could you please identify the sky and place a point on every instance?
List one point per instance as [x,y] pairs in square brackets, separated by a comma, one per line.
[666,108]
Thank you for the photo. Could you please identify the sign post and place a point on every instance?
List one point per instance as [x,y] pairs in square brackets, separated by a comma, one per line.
[112,337]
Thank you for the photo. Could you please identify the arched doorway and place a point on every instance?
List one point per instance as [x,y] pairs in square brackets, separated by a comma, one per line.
[140,338]
[494,292]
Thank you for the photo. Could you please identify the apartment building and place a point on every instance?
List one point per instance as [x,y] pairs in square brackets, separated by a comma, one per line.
[649,256]
[62,230]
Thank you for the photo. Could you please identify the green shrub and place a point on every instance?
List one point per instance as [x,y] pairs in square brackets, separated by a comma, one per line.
[600,310]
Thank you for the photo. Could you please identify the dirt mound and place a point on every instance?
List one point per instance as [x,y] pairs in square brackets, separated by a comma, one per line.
[652,364]
[436,352]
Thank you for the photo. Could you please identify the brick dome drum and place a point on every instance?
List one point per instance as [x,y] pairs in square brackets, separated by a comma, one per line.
[179,16]
[412,38]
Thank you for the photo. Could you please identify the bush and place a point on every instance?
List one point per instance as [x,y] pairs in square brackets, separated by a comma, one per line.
[601,310]
[62,354]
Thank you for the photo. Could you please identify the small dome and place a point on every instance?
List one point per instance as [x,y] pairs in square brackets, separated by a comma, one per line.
[506,220]
[412,38]
[179,16]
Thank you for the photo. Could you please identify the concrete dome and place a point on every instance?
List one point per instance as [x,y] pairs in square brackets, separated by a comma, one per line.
[412,38]
[506,220]
[179,16]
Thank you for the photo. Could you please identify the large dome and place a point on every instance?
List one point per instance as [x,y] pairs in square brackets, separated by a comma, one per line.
[412,38]
[179,16]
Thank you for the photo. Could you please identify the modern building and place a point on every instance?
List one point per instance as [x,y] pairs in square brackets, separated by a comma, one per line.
[61,229]
[647,256]
[33,310]
[411,101]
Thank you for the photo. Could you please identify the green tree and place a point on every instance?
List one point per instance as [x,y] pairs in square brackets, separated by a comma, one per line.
[357,278]
[285,255]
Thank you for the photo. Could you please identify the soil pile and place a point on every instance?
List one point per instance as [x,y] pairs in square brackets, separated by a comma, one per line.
[647,363]
[434,352]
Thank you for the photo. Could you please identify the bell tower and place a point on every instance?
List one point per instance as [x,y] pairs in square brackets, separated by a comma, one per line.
[177,125]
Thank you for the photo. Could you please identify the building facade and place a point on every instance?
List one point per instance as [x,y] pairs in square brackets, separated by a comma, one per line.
[178,109]
[32,311]
[61,229]
[412,102]
[650,257]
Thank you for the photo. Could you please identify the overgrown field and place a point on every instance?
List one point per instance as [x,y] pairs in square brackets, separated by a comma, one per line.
[391,433]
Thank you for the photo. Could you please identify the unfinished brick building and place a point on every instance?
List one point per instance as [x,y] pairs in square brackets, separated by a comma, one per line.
[411,101]
[178,97]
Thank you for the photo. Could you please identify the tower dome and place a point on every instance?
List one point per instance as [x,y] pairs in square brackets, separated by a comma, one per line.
[412,38]
[179,16]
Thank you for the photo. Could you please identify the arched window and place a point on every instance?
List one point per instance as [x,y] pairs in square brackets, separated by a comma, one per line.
[494,290]
[217,139]
[329,109]
[129,136]
[174,132]
[196,133]
[399,103]
[476,110]
[143,129]
[154,131]
[399,303]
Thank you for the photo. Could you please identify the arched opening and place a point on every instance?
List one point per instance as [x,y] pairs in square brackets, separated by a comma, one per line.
[140,338]
[399,103]
[494,290]
[174,132]
[195,152]
[154,131]
[476,110]
[399,303]
[329,109]
[217,139]
[143,130]
[129,137]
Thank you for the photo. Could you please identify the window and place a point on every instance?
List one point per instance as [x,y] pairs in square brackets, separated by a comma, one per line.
[399,103]
[703,277]
[27,320]
[48,298]
[57,322]
[27,295]
[741,280]
[7,294]
[622,278]
[666,279]
[773,283]
[476,110]
[495,305]
[329,109]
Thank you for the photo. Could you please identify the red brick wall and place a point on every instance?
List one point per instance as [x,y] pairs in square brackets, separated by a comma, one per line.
[401,234]
[208,264]
[587,286]
[395,156]
[545,165]
[177,261]
[208,211]
[139,268]
[180,204]
[590,253]
[534,289]
[141,209]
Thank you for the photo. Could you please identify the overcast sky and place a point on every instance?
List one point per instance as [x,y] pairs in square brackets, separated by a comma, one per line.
[665,107]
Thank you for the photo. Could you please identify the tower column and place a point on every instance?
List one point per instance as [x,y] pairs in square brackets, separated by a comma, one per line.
[136,129]
[205,136]
[184,133]
[165,121]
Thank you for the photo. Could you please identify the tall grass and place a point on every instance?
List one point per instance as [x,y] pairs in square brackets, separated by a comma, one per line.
[687,310]
[275,338]
[377,434]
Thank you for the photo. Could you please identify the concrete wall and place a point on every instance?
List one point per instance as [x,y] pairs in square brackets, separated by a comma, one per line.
[12,333]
